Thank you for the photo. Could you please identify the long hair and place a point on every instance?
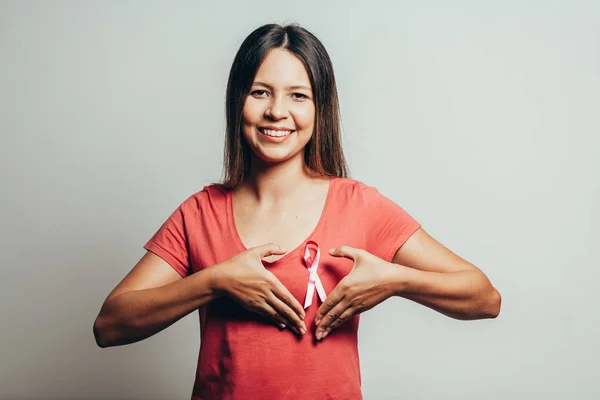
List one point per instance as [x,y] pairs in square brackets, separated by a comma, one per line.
[323,153]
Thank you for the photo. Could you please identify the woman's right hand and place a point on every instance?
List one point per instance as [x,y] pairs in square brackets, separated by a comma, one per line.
[245,279]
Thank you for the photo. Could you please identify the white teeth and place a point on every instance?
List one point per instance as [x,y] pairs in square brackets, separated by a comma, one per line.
[275,133]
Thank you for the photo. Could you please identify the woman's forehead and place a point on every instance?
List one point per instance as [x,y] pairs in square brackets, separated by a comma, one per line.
[282,69]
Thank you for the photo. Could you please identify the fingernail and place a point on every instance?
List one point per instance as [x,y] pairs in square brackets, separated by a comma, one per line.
[317,322]
[331,250]
[325,334]
[319,336]
[303,330]
[282,326]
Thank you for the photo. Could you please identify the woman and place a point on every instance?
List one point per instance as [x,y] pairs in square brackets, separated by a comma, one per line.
[250,253]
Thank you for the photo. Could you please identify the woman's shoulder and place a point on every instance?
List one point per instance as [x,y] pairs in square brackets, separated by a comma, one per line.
[357,191]
[348,191]
[350,185]
[211,196]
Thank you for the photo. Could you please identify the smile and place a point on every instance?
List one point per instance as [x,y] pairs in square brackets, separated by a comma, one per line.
[275,132]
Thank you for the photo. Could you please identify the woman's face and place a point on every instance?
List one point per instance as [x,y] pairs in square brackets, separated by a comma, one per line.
[279,112]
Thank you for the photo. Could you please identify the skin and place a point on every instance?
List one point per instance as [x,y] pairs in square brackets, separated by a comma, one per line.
[280,96]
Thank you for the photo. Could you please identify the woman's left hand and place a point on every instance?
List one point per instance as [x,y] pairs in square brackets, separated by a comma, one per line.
[370,282]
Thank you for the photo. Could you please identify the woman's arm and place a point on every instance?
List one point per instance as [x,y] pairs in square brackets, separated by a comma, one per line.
[422,270]
[150,298]
[153,296]
[432,275]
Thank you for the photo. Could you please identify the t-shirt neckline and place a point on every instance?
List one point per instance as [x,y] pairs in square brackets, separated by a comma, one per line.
[242,246]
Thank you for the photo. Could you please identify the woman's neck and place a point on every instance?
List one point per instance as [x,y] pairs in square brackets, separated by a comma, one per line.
[276,183]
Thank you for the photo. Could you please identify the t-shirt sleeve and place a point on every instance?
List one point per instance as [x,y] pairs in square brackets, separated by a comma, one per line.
[171,241]
[387,225]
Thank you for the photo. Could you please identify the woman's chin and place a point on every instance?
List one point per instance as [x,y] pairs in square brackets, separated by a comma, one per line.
[274,156]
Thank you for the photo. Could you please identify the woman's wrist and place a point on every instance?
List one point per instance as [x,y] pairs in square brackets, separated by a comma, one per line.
[216,280]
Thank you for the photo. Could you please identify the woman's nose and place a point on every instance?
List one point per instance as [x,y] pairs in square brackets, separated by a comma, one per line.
[277,109]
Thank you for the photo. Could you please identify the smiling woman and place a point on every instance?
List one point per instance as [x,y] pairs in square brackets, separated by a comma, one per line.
[280,108]
[248,251]
[282,78]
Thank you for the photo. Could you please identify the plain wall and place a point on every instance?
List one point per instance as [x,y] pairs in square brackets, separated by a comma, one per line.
[481,119]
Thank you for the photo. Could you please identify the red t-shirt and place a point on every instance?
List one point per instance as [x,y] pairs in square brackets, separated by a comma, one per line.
[243,356]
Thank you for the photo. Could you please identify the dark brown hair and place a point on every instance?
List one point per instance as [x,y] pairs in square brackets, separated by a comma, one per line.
[323,153]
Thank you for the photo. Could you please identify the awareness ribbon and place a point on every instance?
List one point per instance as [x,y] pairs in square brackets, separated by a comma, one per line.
[313,279]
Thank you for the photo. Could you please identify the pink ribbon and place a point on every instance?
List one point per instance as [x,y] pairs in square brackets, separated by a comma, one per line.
[313,278]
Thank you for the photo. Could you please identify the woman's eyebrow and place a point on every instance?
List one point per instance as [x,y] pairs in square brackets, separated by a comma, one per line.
[288,88]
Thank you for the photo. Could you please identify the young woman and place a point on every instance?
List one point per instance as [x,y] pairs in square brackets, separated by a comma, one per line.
[287,240]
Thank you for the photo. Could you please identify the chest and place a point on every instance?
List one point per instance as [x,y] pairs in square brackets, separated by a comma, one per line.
[288,226]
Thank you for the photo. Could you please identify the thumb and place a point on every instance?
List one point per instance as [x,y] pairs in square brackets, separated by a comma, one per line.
[344,251]
[270,248]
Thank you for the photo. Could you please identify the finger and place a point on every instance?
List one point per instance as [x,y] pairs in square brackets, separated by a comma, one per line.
[331,317]
[284,295]
[345,251]
[336,296]
[268,311]
[344,316]
[268,249]
[288,314]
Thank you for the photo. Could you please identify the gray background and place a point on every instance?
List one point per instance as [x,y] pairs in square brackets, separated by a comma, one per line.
[480,118]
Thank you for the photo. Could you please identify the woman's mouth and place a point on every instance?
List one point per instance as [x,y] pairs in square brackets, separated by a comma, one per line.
[276,133]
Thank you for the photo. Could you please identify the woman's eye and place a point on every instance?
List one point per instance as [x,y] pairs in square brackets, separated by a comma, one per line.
[299,96]
[258,93]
